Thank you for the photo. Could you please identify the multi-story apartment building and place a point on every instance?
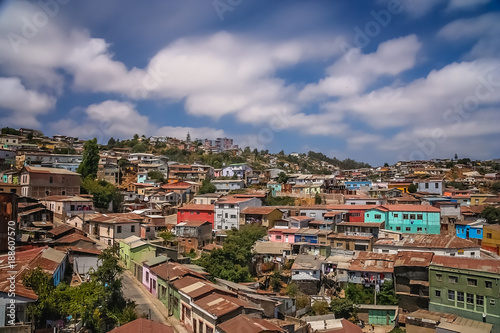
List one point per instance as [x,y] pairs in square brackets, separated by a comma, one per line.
[422,219]
[228,209]
[42,182]
[468,288]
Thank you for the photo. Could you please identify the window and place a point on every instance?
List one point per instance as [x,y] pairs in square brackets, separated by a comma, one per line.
[451,295]
[225,215]
[119,229]
[408,229]
[148,229]
[453,279]
[378,216]
[460,296]
[439,277]
[132,228]
[398,228]
[147,276]
[478,232]
[419,229]
[480,300]
[188,313]
[436,185]
[488,284]
[420,217]
[194,325]
[472,282]
[339,244]
[405,216]
[233,216]
[200,326]
[492,301]
[470,298]
[278,237]
[231,206]
[396,215]
[426,185]
[209,329]
[437,293]
[488,235]
[51,180]
[412,216]
[473,254]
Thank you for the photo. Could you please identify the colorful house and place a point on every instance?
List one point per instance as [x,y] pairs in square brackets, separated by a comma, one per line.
[282,235]
[150,280]
[195,212]
[133,252]
[470,230]
[423,219]
[467,288]
[264,216]
[274,187]
[491,238]
[356,185]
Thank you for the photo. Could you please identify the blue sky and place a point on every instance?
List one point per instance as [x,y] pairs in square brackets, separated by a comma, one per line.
[390,80]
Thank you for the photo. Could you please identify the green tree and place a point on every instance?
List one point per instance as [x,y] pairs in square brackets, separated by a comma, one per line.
[320,308]
[157,175]
[103,193]
[342,307]
[491,214]
[111,142]
[282,177]
[358,294]
[207,187]
[292,290]
[387,295]
[167,236]
[280,201]
[276,281]
[140,147]
[10,131]
[90,160]
[496,187]
[386,164]
[317,199]
[232,261]
[412,188]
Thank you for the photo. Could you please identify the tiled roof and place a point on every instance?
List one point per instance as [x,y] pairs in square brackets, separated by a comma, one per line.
[429,241]
[51,171]
[66,198]
[219,305]
[143,325]
[408,208]
[231,200]
[72,238]
[412,258]
[197,207]
[61,229]
[373,262]
[483,265]
[251,325]
[258,210]
[118,218]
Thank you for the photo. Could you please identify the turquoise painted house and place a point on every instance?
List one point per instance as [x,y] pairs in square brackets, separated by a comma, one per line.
[274,187]
[470,230]
[411,219]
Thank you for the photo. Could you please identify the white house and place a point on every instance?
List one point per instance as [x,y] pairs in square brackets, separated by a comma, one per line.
[431,185]
[110,228]
[228,209]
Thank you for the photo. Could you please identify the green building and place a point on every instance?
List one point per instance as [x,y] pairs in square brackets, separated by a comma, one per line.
[133,252]
[466,287]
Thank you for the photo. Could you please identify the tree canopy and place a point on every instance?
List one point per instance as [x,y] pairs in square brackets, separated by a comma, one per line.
[232,261]
[207,187]
[103,193]
[90,160]
[491,214]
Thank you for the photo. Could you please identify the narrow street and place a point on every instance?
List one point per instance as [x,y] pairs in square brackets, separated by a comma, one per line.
[131,289]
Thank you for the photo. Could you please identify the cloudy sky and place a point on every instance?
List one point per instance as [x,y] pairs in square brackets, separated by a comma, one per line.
[398,80]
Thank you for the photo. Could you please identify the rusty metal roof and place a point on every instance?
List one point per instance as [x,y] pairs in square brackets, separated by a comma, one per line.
[412,258]
[475,264]
[251,325]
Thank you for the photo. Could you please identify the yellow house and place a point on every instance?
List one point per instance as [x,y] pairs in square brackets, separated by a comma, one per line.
[403,187]
[478,198]
[491,238]
[266,216]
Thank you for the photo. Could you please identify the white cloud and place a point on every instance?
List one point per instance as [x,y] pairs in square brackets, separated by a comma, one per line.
[22,105]
[351,75]
[483,30]
[194,132]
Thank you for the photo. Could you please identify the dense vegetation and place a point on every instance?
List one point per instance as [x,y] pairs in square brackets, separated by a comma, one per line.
[232,261]
[99,303]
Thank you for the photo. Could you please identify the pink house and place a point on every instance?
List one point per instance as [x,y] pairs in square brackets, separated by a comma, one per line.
[150,280]
[282,235]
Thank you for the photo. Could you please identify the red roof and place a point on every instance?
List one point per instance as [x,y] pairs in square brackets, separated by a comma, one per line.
[143,325]
[72,238]
[208,208]
[483,265]
[219,305]
[408,208]
[258,210]
[232,200]
[413,258]
[251,325]
[61,229]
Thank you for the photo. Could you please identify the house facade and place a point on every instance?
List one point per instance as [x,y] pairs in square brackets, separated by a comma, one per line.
[228,210]
[491,238]
[196,212]
[110,228]
[193,235]
[42,182]
[407,218]
[468,288]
